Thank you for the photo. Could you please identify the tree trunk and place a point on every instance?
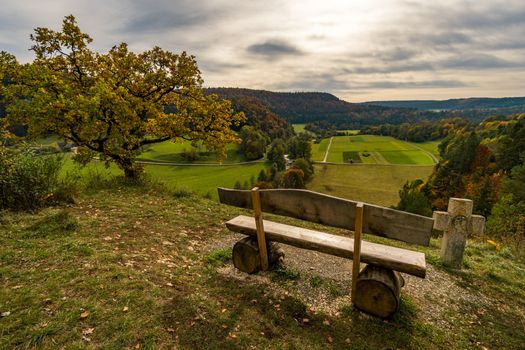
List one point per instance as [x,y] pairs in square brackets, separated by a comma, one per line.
[246,254]
[132,171]
[378,290]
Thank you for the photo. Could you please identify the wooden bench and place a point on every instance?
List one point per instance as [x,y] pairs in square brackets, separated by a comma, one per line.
[375,289]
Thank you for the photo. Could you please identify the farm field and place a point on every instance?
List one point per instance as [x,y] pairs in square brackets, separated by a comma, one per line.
[372,149]
[319,149]
[431,146]
[376,184]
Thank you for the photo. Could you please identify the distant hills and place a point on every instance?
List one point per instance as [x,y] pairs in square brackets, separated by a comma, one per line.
[308,107]
[456,104]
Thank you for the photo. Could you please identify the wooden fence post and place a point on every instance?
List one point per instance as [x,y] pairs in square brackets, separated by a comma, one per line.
[458,224]
[261,239]
[356,259]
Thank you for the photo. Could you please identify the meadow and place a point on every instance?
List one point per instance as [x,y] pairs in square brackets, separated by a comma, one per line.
[377,184]
[201,179]
[169,151]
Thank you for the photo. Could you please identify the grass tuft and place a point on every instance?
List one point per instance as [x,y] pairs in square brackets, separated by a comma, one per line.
[60,224]
[281,273]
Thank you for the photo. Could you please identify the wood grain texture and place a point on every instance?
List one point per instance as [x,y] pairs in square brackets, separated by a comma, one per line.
[393,258]
[246,257]
[356,260]
[336,212]
[378,291]
[256,200]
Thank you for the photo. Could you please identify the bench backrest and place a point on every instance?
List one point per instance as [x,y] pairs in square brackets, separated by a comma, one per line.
[336,212]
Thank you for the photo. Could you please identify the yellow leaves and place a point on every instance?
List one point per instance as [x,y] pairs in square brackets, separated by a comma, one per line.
[495,245]
[84,314]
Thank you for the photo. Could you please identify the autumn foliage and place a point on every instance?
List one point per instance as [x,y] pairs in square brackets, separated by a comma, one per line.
[111,105]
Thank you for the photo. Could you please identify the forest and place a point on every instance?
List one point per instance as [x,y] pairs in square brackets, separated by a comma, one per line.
[310,107]
[484,163]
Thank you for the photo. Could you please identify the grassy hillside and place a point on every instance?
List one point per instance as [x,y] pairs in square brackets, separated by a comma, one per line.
[135,267]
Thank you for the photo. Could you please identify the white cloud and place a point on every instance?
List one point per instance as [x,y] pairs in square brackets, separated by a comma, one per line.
[357,50]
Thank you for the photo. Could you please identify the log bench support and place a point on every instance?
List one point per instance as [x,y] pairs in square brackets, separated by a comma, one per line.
[377,291]
[457,224]
[246,255]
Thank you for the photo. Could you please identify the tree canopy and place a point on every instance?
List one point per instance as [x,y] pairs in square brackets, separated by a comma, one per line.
[113,104]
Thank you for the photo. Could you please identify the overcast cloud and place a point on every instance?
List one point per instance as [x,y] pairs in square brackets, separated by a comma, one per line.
[391,49]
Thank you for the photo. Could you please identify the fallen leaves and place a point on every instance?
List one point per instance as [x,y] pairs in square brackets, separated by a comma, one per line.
[5,313]
[85,314]
[125,309]
[88,331]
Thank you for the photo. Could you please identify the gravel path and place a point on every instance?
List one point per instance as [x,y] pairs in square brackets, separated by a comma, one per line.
[328,150]
[325,281]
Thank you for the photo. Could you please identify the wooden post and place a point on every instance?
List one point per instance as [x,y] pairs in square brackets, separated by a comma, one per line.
[458,224]
[261,239]
[356,260]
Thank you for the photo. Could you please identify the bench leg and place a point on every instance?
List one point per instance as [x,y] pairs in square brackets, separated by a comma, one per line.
[246,254]
[377,291]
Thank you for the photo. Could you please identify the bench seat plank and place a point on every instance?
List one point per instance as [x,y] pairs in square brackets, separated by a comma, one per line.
[398,259]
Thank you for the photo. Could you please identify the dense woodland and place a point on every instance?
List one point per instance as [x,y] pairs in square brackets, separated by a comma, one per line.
[418,132]
[484,163]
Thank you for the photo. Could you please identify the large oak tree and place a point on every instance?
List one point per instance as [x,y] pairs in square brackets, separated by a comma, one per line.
[114,104]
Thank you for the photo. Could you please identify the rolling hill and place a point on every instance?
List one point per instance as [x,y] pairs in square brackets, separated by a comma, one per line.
[307,107]
[456,104]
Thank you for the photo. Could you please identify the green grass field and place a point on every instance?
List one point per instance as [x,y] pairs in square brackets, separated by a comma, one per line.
[199,179]
[172,152]
[373,149]
[319,149]
[430,146]
[350,131]
[376,184]
[299,128]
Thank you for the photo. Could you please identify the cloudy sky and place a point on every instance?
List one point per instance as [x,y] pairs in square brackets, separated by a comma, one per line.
[357,50]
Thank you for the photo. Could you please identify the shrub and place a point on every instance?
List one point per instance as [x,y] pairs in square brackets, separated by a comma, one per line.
[305,166]
[182,192]
[30,182]
[293,178]
[412,200]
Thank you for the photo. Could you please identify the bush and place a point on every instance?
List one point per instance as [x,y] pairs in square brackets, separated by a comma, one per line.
[182,192]
[293,178]
[30,182]
[305,166]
